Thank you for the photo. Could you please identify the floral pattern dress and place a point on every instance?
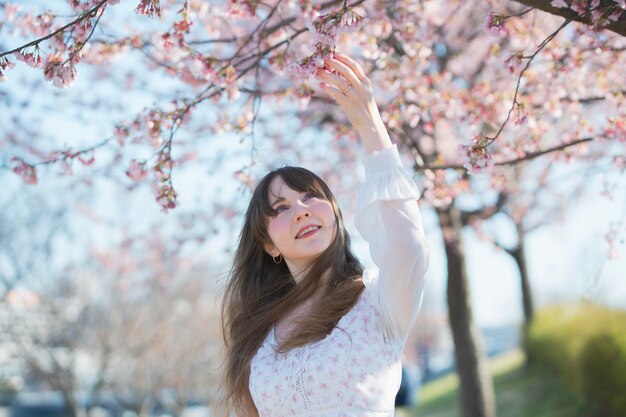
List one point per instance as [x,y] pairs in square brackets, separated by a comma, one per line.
[355,371]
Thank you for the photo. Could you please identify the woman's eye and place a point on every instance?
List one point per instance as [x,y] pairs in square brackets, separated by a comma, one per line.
[280,209]
[309,196]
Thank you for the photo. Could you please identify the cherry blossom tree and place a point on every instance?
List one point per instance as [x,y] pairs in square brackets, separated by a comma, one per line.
[161,328]
[540,195]
[467,88]
[93,336]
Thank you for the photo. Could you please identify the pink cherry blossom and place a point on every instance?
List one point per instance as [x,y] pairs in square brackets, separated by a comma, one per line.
[121,134]
[495,23]
[153,121]
[580,6]
[324,30]
[559,3]
[11,11]
[326,27]
[137,170]
[242,8]
[61,72]
[32,59]
[86,158]
[165,195]
[26,171]
[521,115]
[182,26]
[149,8]
[617,13]
[245,179]
[616,129]
[82,30]
[514,63]
[476,155]
[4,65]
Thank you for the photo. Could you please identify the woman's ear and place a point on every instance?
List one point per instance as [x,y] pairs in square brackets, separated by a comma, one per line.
[271,250]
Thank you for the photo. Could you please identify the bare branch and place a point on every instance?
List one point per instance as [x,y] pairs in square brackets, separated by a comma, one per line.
[519,79]
[483,213]
[528,156]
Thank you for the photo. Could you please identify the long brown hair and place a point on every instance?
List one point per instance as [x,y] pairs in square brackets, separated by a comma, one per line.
[260,291]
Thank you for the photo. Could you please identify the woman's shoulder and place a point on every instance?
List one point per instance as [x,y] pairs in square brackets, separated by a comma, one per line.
[368,297]
[370,278]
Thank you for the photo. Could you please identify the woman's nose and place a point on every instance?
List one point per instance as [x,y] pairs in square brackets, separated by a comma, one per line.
[302,211]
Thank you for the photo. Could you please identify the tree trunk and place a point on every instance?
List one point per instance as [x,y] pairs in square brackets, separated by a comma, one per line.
[477,393]
[519,256]
[71,404]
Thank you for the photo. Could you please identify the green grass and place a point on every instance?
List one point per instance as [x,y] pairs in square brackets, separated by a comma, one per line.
[519,393]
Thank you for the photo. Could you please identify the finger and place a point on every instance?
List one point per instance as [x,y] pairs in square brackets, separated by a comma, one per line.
[345,71]
[353,65]
[332,91]
[334,79]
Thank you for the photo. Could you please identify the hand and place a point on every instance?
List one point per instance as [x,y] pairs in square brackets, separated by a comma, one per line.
[352,90]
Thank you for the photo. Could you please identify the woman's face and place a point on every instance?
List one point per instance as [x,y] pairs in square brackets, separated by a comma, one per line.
[302,227]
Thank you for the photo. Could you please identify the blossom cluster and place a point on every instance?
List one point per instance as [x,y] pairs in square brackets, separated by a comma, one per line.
[162,186]
[26,171]
[66,157]
[514,62]
[4,65]
[521,115]
[59,66]
[437,189]
[477,156]
[616,129]
[496,24]
[324,30]
[62,73]
[242,9]
[149,8]
[32,59]
[149,127]
[137,170]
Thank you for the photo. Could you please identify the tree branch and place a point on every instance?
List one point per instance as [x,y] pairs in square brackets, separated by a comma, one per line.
[519,79]
[80,18]
[483,213]
[528,156]
[618,27]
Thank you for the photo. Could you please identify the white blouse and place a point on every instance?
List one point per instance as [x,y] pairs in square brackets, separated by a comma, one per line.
[355,371]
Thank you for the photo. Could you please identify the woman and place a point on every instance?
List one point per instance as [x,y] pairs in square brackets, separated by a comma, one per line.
[307,331]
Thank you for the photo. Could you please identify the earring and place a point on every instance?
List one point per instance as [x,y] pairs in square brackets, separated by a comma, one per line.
[280,259]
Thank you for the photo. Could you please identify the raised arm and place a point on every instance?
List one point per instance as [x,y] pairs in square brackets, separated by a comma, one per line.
[387,214]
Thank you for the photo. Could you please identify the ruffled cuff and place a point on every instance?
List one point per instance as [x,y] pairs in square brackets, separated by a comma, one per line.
[386,178]
[388,157]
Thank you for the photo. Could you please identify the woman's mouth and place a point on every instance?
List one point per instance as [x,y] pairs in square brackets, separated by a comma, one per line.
[307,231]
